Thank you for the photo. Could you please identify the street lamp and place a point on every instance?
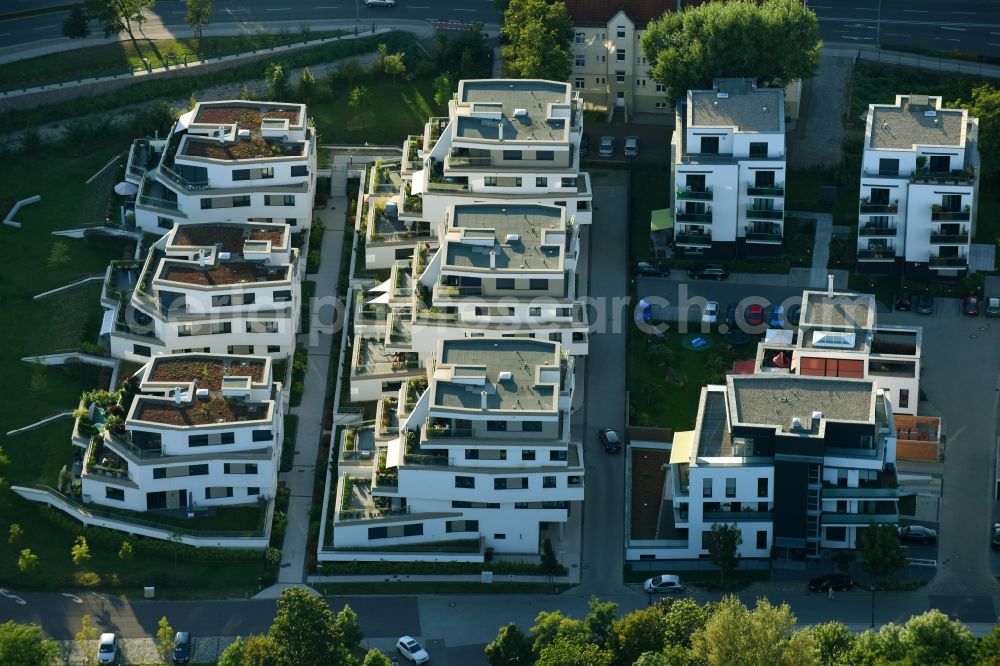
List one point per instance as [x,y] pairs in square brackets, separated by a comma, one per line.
[878,25]
[871,586]
[357,16]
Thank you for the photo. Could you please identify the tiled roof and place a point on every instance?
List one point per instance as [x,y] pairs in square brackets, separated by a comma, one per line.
[590,12]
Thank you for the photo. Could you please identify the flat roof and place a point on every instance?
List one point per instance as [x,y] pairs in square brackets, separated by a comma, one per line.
[222,274]
[842,309]
[504,97]
[906,124]
[206,371]
[777,399]
[248,114]
[486,359]
[518,235]
[741,105]
[227,237]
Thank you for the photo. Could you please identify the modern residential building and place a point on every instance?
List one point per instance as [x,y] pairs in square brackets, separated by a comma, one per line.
[837,336]
[503,140]
[202,430]
[478,450]
[227,161]
[498,270]
[797,463]
[728,163]
[217,288]
[919,194]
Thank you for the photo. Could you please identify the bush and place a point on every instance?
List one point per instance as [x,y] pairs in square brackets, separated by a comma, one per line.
[312,261]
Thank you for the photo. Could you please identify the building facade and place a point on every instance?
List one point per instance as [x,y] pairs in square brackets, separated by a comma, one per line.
[919,194]
[227,161]
[728,165]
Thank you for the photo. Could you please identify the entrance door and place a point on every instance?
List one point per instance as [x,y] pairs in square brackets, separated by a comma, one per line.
[620,99]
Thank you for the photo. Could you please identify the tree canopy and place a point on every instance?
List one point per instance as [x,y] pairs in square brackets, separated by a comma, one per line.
[771,41]
[985,105]
[538,33]
[723,543]
[305,631]
[880,551]
[24,644]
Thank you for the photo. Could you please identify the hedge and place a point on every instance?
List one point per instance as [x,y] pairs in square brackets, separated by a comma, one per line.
[430,568]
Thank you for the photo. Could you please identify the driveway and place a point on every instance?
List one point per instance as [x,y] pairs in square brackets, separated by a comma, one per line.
[654,144]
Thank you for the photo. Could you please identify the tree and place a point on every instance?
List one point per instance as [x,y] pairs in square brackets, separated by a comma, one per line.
[275,77]
[834,642]
[772,41]
[881,553]
[682,619]
[304,630]
[80,552]
[599,619]
[443,88]
[86,639]
[510,646]
[24,644]
[349,628]
[359,101]
[307,84]
[59,255]
[375,658]
[637,633]
[198,13]
[723,543]
[254,650]
[550,563]
[126,551]
[934,638]
[988,649]
[13,533]
[383,51]
[394,65]
[985,105]
[565,651]
[539,34]
[350,71]
[762,637]
[27,561]
[550,626]
[118,16]
[76,25]
[164,638]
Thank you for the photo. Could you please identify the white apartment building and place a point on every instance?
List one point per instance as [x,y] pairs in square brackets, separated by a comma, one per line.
[503,140]
[728,164]
[610,70]
[227,161]
[838,337]
[919,176]
[479,450]
[216,288]
[798,464]
[498,270]
[203,430]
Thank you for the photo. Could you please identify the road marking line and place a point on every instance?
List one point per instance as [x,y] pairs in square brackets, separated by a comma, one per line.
[952,39]
[916,11]
[894,34]
[987,43]
[865,9]
[944,27]
[970,13]
[324,7]
[278,9]
[72,597]
[47,27]
[465,10]
[820,7]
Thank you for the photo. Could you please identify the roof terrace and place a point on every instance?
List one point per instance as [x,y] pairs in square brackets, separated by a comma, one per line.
[223,274]
[777,399]
[506,238]
[513,110]
[915,120]
[227,237]
[841,310]
[249,115]
[738,103]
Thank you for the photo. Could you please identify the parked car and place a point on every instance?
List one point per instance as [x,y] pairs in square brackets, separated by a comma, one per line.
[107,649]
[412,650]
[777,319]
[709,272]
[607,148]
[731,315]
[970,306]
[916,534]
[836,581]
[584,145]
[664,583]
[631,146]
[996,536]
[903,301]
[182,647]
[610,440]
[925,304]
[649,270]
[380,3]
[754,315]
[710,314]
[794,312]
[992,307]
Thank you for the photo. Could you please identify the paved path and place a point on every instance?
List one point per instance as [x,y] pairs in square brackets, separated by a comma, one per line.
[821,246]
[819,131]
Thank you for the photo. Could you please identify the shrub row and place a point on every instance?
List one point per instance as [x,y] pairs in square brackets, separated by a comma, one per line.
[431,568]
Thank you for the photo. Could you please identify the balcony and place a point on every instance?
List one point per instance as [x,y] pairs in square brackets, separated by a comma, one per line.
[764,214]
[698,194]
[697,240]
[868,208]
[948,262]
[181,181]
[939,238]
[702,218]
[883,254]
[769,191]
[435,428]
[456,291]
[871,229]
[373,359]
[411,160]
[763,236]
[949,215]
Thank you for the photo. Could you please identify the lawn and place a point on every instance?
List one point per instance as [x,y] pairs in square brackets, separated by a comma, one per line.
[648,191]
[121,57]
[665,379]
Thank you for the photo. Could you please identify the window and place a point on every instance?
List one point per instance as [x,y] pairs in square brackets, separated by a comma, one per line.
[496,426]
[221,327]
[490,181]
[555,337]
[640,83]
[241,201]
[557,456]
[548,482]
[273,349]
[141,350]
[578,82]
[500,536]
[545,155]
[568,181]
[279,199]
[661,105]
[660,88]
[939,163]
[536,284]
[263,436]
[300,170]
[239,468]
[527,454]
[114,493]
[217,492]
[731,487]
[283,296]
[836,534]
[541,181]
[253,490]
[710,145]
[761,539]
[600,80]
[472,454]
[704,539]
[763,179]
[888,167]
[579,61]
[499,484]
[200,470]
[505,283]
[413,529]
[531,426]
[904,398]
[620,32]
[758,149]
[534,312]
[762,487]
[159,472]
[461,504]
[378,532]
[512,155]
[164,222]
[620,77]
[620,55]
[233,299]
[211,440]
[706,487]
[465,482]
[581,38]
[462,526]
[206,203]
[262,326]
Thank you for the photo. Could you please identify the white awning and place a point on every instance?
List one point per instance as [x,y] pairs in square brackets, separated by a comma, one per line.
[778,336]
[108,323]
[381,299]
[382,288]
[393,457]
[680,451]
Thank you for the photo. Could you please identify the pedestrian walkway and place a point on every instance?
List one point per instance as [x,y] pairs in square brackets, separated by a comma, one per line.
[911,60]
[821,246]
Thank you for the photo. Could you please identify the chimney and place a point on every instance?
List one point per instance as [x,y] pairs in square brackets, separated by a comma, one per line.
[202,258]
[500,128]
[177,395]
[816,416]
[829,285]
[482,399]
[493,259]
[796,423]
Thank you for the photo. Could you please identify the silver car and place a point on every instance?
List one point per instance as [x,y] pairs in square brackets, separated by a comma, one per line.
[607,148]
[631,146]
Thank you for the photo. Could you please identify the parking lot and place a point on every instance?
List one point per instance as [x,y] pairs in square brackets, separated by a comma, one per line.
[654,144]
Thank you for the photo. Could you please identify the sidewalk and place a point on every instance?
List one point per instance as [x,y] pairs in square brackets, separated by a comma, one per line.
[912,60]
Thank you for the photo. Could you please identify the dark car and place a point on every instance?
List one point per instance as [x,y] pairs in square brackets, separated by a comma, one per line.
[731,315]
[996,536]
[709,272]
[916,534]
[925,304]
[970,306]
[610,439]
[836,581]
[649,270]
[584,145]
[903,301]
[754,315]
[182,647]
[794,312]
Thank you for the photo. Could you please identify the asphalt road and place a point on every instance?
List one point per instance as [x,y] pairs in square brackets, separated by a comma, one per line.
[258,13]
[970,26]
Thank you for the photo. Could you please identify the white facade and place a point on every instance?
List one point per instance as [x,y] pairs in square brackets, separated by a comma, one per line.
[728,156]
[203,430]
[918,194]
[227,161]
[218,288]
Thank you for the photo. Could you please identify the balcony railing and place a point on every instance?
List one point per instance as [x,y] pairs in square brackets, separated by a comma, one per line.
[157,202]
[704,194]
[435,430]
[944,262]
[178,179]
[877,230]
[704,218]
[765,213]
[884,209]
[763,236]
[702,240]
[452,291]
[886,254]
[771,191]
[952,239]
[956,215]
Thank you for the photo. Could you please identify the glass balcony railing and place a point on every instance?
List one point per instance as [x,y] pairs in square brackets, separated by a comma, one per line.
[877,230]
[699,194]
[764,213]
